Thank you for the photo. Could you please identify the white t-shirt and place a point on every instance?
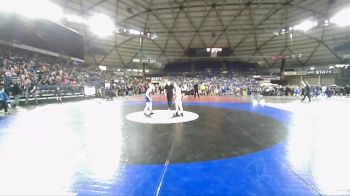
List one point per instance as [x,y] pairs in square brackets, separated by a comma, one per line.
[149,91]
[178,93]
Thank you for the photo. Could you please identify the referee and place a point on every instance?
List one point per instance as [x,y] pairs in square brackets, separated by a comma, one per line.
[169,93]
[196,87]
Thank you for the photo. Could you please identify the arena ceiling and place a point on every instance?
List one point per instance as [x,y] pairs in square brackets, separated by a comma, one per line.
[246,26]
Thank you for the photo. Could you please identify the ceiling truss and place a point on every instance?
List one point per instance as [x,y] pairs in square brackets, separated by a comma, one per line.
[246,27]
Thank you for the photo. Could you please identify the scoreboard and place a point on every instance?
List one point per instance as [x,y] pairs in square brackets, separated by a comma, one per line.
[209,52]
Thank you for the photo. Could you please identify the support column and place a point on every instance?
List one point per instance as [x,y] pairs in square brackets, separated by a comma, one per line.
[319,80]
[143,69]
[301,80]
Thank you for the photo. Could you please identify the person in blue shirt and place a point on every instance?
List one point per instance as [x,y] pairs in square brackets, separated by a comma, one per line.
[4,99]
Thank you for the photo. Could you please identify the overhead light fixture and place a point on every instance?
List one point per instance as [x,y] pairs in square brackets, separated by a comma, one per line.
[74,18]
[154,36]
[331,67]
[134,32]
[341,66]
[101,25]
[312,68]
[102,67]
[326,23]
[305,26]
[342,18]
[43,9]
[7,6]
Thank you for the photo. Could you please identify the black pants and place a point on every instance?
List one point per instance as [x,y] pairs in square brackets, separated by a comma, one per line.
[196,93]
[307,95]
[4,105]
[170,100]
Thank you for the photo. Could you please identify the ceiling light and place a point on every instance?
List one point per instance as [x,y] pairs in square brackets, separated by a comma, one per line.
[342,18]
[134,32]
[43,9]
[102,67]
[101,25]
[305,26]
[74,18]
[7,6]
[154,36]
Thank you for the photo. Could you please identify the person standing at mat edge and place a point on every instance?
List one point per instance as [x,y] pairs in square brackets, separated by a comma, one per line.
[178,101]
[169,88]
[307,92]
[196,87]
[148,109]
[4,99]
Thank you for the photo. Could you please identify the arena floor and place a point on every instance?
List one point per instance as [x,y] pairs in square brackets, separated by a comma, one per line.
[227,146]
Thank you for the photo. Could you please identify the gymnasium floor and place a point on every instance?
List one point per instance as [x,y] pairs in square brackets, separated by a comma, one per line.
[233,147]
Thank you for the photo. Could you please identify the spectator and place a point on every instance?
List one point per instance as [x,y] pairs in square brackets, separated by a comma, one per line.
[307,92]
[16,91]
[4,99]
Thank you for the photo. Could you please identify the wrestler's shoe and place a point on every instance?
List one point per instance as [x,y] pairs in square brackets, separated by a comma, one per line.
[176,115]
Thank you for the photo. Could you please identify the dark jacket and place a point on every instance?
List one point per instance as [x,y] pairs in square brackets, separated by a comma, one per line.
[16,90]
[307,89]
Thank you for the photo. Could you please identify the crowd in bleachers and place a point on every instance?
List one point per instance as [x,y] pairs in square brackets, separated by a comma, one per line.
[216,84]
[25,75]
[28,74]
[238,85]
[294,90]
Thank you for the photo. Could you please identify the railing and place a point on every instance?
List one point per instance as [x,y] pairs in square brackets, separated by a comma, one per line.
[48,92]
